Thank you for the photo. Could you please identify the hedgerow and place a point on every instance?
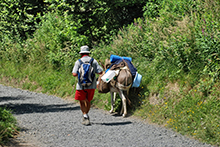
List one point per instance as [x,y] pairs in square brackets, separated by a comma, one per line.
[174,46]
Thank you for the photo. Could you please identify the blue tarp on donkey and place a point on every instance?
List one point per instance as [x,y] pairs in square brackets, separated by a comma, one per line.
[115,60]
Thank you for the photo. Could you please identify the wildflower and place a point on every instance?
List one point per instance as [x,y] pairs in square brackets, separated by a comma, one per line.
[209,60]
[194,134]
[199,103]
[204,21]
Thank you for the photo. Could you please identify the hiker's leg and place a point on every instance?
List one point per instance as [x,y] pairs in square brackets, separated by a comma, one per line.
[85,98]
[90,95]
[83,106]
[81,96]
[88,105]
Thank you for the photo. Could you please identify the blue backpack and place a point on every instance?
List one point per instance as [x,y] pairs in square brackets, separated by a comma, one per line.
[86,73]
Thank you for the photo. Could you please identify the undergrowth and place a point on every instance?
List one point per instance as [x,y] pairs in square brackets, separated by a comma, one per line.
[175,47]
[8,126]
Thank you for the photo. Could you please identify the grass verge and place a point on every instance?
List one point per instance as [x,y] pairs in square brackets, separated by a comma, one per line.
[185,107]
[8,126]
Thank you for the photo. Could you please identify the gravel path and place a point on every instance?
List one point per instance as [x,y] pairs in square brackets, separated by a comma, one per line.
[49,121]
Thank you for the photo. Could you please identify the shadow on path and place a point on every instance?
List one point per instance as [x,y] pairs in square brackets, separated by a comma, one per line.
[113,123]
[13,98]
[25,108]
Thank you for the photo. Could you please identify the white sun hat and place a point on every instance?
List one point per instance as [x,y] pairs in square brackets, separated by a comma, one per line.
[84,49]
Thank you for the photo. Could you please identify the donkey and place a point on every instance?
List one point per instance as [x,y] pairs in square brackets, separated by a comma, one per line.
[120,85]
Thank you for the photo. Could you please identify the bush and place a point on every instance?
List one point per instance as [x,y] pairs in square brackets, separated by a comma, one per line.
[175,48]
[7,125]
[59,39]
[18,17]
[178,47]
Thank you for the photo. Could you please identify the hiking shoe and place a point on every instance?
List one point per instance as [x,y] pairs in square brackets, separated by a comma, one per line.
[86,121]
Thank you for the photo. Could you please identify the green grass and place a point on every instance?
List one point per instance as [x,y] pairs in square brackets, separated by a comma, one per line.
[8,126]
[177,54]
[181,105]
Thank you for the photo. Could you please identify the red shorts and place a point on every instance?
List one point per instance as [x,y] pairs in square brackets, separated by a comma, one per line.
[84,94]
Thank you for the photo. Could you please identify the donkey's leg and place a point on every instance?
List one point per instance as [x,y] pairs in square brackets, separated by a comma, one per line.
[122,109]
[113,97]
[124,105]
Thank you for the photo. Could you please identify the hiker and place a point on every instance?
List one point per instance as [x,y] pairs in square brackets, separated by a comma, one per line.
[85,92]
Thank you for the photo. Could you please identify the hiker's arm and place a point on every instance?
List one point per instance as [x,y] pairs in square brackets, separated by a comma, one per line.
[76,68]
[75,74]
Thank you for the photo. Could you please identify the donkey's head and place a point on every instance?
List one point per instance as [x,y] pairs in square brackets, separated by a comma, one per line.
[107,64]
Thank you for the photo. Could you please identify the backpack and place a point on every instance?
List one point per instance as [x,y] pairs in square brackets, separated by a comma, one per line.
[86,73]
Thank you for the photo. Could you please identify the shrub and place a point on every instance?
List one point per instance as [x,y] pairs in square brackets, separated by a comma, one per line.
[7,125]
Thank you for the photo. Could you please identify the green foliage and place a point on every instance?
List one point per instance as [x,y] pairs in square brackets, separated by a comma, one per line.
[178,8]
[181,45]
[58,34]
[18,17]
[99,19]
[189,113]
[175,48]
[151,10]
[7,125]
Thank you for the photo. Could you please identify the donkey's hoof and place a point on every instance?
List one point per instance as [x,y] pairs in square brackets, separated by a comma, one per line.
[124,115]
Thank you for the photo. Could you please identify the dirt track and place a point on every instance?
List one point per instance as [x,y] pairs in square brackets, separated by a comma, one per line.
[48,121]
